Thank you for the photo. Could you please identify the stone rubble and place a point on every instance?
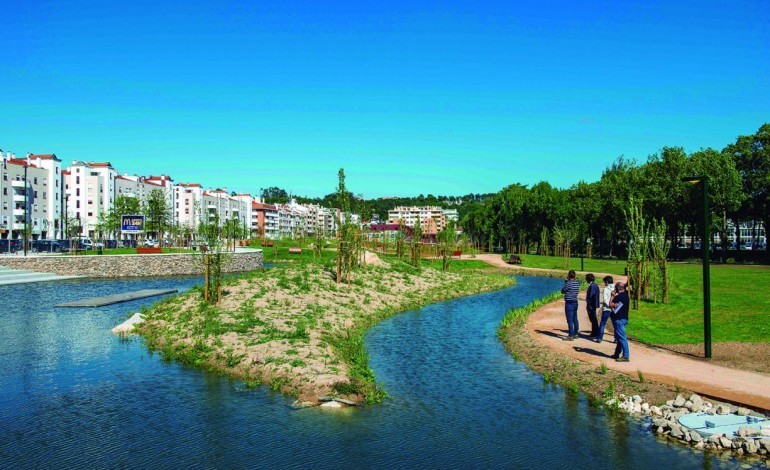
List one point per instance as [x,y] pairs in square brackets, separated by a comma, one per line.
[749,441]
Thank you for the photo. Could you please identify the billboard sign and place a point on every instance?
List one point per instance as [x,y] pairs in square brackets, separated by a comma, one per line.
[132,223]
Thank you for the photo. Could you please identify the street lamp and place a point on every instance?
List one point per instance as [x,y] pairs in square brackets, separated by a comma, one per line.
[706,223]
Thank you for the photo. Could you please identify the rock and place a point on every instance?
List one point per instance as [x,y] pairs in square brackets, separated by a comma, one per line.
[670,403]
[677,432]
[695,408]
[646,407]
[655,411]
[695,398]
[723,410]
[688,404]
[660,422]
[680,401]
[765,443]
[699,445]
[750,447]
[332,404]
[695,436]
[745,431]
[708,404]
[743,411]
[725,442]
[764,432]
[637,399]
[660,429]
[127,327]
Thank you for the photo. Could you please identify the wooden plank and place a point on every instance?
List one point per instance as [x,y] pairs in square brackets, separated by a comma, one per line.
[117,298]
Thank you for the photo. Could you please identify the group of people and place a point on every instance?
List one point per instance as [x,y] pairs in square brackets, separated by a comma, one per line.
[614,303]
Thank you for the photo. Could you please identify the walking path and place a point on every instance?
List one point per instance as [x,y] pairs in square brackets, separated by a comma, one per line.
[548,326]
[21,276]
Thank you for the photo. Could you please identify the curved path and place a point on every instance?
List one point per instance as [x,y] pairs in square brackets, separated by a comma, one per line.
[548,326]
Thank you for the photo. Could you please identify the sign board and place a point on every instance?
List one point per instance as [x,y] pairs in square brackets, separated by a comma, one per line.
[132,223]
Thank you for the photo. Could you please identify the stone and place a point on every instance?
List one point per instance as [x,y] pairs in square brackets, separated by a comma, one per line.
[688,404]
[723,410]
[699,445]
[750,447]
[637,399]
[695,398]
[677,432]
[655,411]
[764,432]
[660,430]
[680,401]
[725,442]
[332,404]
[645,407]
[670,403]
[660,422]
[745,431]
[695,408]
[695,436]
[743,411]
[765,443]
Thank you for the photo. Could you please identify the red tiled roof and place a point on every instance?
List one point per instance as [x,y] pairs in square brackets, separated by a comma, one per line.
[21,161]
[105,164]
[47,156]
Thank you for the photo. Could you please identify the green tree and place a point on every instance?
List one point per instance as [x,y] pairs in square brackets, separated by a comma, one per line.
[724,181]
[158,213]
[214,257]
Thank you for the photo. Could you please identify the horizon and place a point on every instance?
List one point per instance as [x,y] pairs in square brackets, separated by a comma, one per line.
[448,98]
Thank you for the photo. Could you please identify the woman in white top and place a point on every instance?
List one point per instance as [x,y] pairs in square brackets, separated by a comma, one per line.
[609,286]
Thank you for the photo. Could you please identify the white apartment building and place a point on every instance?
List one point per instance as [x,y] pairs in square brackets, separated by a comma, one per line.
[90,190]
[43,183]
[410,215]
[188,205]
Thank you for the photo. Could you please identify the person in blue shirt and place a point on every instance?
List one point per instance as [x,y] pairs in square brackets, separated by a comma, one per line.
[592,303]
[619,305]
[570,291]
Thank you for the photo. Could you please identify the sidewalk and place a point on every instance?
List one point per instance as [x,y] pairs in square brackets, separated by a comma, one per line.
[548,326]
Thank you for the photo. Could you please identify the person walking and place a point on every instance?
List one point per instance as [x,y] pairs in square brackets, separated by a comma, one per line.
[619,305]
[570,291]
[592,303]
[609,287]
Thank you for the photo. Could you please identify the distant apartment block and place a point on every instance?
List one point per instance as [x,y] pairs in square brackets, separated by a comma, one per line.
[36,181]
[432,218]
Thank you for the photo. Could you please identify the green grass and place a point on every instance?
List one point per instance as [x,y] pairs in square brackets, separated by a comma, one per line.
[740,307]
[560,263]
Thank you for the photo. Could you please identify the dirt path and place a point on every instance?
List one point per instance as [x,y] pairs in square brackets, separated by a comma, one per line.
[548,326]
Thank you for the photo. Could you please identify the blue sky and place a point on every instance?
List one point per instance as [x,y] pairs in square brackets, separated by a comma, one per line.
[409,97]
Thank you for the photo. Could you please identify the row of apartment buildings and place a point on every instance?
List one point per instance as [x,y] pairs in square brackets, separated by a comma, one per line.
[53,199]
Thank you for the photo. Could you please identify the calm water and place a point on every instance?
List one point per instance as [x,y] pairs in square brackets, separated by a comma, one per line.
[74,395]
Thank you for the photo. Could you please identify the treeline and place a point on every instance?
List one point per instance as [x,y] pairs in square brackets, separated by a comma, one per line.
[590,216]
[380,206]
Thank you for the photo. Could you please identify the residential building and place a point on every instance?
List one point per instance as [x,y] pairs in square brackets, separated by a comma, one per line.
[264,220]
[90,190]
[411,214]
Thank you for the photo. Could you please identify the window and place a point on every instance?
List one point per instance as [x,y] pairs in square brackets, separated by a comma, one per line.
[77,180]
[90,214]
[77,192]
[5,191]
[35,179]
[77,204]
[5,176]
[35,194]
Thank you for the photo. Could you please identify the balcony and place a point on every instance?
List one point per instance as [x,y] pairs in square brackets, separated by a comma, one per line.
[19,212]
[18,197]
[17,184]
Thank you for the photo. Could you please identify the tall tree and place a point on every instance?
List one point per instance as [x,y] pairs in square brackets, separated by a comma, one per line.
[158,212]
[724,184]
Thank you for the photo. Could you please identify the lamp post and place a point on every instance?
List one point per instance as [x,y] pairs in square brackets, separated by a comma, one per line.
[706,224]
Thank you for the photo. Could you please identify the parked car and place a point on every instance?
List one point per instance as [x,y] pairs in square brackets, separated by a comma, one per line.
[10,246]
[47,246]
[149,242]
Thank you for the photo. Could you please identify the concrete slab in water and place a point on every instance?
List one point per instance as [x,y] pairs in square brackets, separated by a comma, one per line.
[117,298]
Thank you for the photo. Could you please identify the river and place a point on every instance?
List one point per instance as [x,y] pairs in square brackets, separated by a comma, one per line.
[74,395]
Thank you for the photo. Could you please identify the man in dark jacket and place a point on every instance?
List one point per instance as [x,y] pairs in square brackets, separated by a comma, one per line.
[592,303]
[619,305]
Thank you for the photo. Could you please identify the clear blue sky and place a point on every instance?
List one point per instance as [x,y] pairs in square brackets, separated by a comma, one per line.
[409,97]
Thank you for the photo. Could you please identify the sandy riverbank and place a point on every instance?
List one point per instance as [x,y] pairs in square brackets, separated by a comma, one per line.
[294,328]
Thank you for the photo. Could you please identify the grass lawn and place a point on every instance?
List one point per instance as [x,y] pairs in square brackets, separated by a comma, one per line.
[740,307]
[559,262]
